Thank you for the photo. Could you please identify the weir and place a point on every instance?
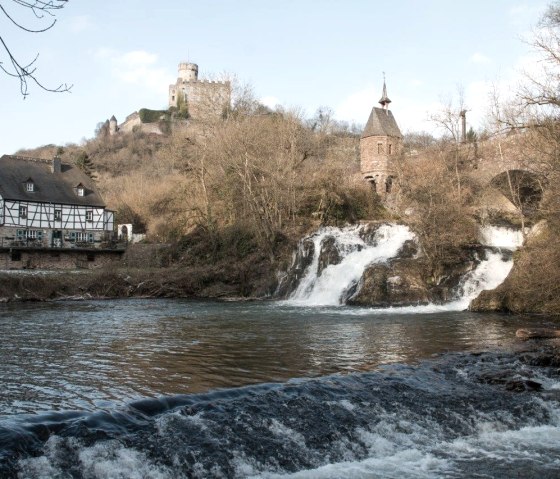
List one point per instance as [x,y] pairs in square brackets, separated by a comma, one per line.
[328,282]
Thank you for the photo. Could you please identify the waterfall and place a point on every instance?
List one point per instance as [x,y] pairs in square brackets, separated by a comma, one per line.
[501,237]
[331,284]
[341,255]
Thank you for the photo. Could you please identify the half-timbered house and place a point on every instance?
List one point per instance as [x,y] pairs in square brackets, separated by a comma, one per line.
[48,206]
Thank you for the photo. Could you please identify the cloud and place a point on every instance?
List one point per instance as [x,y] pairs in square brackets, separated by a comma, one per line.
[270,101]
[80,23]
[479,58]
[138,67]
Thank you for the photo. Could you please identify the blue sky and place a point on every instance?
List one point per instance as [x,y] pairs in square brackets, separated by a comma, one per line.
[121,55]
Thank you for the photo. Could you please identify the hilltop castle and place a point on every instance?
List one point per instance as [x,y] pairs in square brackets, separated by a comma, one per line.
[380,144]
[202,98]
[189,99]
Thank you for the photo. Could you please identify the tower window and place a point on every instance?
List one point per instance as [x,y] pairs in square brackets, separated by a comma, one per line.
[390,149]
[380,149]
[389,184]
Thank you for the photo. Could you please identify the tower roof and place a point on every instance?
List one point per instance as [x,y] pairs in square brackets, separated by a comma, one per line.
[381,122]
[113,118]
[384,98]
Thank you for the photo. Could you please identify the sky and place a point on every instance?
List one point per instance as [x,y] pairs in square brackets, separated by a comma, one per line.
[121,55]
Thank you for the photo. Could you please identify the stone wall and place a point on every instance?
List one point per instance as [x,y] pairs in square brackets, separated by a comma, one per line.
[56,259]
[376,156]
[203,98]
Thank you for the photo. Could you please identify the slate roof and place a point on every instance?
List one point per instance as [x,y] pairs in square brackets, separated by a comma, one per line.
[58,187]
[381,123]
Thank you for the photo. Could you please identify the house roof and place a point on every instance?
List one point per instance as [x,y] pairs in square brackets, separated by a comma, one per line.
[381,123]
[50,187]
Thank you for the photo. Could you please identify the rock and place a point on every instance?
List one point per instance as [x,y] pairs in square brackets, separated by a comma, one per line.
[537,333]
[329,254]
[511,380]
[397,283]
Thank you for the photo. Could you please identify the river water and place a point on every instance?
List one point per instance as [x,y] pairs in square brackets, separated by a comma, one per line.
[177,388]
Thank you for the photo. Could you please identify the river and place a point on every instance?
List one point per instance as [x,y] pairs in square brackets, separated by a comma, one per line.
[178,388]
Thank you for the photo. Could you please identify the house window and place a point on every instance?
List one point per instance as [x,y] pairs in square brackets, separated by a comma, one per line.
[29,234]
[81,237]
[89,216]
[23,212]
[30,186]
[57,215]
[80,190]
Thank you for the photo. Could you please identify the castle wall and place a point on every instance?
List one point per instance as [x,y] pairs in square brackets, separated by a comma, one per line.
[203,98]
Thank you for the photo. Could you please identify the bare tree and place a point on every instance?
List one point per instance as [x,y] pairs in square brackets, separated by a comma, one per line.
[44,11]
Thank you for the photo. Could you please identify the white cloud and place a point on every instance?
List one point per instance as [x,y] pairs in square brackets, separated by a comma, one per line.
[479,58]
[137,67]
[270,101]
[80,23]
[411,113]
[357,106]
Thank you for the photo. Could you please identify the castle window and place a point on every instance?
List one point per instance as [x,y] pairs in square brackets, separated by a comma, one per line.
[389,184]
[23,212]
[390,149]
[380,149]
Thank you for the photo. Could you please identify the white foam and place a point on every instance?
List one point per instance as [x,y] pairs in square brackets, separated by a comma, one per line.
[501,237]
[328,287]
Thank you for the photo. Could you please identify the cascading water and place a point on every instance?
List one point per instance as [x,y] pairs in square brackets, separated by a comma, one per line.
[331,284]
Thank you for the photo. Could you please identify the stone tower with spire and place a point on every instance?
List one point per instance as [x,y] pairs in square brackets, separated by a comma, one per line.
[380,145]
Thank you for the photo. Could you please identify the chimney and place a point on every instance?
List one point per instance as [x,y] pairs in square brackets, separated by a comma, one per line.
[463,115]
[56,165]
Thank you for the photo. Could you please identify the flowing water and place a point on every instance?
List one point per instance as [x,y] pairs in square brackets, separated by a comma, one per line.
[176,388]
[305,388]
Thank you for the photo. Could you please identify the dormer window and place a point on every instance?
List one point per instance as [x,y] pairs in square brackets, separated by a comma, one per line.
[29,185]
[80,190]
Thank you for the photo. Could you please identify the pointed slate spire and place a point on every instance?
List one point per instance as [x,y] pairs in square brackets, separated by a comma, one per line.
[384,101]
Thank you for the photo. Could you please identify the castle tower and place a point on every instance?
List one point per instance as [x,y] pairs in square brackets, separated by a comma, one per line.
[380,144]
[113,127]
[188,71]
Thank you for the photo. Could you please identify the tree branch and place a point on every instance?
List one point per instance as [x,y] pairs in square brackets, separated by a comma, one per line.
[26,72]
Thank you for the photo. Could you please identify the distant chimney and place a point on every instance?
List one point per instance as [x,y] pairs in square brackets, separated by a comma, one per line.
[463,116]
[56,165]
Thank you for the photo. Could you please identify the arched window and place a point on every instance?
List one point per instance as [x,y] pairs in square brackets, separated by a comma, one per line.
[389,184]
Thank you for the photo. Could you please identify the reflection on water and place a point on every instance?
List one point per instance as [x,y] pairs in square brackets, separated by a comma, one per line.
[93,354]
